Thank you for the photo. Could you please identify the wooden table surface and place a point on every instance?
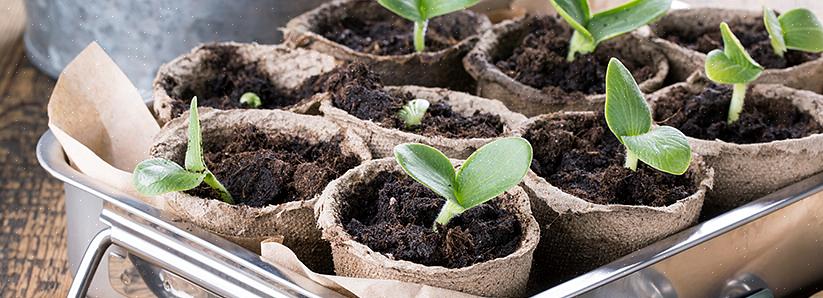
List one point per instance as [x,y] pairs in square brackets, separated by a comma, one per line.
[33,260]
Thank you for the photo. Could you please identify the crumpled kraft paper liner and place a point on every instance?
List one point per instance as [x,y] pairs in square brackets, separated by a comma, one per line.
[279,254]
[501,277]
[744,172]
[684,61]
[493,83]
[287,68]
[433,69]
[101,121]
[245,225]
[105,129]
[578,236]
[381,140]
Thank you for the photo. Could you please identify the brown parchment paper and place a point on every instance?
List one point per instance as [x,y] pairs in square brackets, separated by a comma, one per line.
[101,121]
[106,129]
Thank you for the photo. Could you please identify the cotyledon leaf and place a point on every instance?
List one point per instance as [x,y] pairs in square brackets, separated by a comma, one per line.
[664,148]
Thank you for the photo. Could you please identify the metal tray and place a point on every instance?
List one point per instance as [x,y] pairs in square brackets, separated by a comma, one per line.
[770,243]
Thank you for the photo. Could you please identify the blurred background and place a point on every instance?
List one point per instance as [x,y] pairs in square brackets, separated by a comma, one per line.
[39,37]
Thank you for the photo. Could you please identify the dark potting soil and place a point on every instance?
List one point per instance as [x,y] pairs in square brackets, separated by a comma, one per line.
[380,32]
[393,215]
[232,76]
[359,91]
[581,156]
[762,120]
[260,170]
[540,61]
[752,34]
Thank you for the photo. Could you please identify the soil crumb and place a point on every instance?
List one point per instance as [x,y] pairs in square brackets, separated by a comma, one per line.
[260,170]
[359,91]
[762,120]
[581,156]
[540,61]
[752,34]
[393,215]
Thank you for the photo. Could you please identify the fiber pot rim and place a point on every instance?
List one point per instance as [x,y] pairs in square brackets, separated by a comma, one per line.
[478,62]
[509,118]
[173,137]
[186,64]
[698,58]
[332,229]
[698,82]
[301,26]
[704,180]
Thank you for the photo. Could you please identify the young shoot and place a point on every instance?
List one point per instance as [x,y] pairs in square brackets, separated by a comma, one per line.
[413,111]
[487,173]
[157,176]
[732,65]
[421,11]
[797,29]
[629,118]
[251,99]
[590,30]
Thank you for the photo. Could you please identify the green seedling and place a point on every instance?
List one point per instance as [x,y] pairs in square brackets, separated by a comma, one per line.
[590,30]
[413,111]
[732,65]
[628,115]
[421,11]
[487,173]
[251,99]
[797,29]
[157,176]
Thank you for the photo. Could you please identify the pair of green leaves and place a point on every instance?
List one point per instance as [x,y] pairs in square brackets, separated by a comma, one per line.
[590,30]
[158,176]
[797,29]
[487,173]
[629,118]
[421,11]
[413,111]
[732,65]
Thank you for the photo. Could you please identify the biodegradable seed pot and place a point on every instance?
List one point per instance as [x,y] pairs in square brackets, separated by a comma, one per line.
[591,209]
[274,164]
[364,31]
[774,142]
[379,222]
[686,36]
[523,64]
[219,74]
[455,122]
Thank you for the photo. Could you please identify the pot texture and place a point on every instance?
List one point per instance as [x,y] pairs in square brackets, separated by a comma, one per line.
[744,172]
[244,225]
[502,40]
[441,68]
[501,277]
[381,140]
[578,236]
[286,68]
[698,21]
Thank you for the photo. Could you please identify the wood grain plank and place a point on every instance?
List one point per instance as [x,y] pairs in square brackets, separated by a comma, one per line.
[33,260]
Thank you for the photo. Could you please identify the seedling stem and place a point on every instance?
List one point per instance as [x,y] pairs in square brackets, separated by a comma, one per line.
[420,35]
[449,211]
[631,160]
[736,106]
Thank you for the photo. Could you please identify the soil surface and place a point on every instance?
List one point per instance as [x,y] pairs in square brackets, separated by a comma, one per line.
[232,76]
[540,61]
[581,156]
[704,115]
[393,215]
[260,170]
[359,91]
[751,33]
[379,32]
